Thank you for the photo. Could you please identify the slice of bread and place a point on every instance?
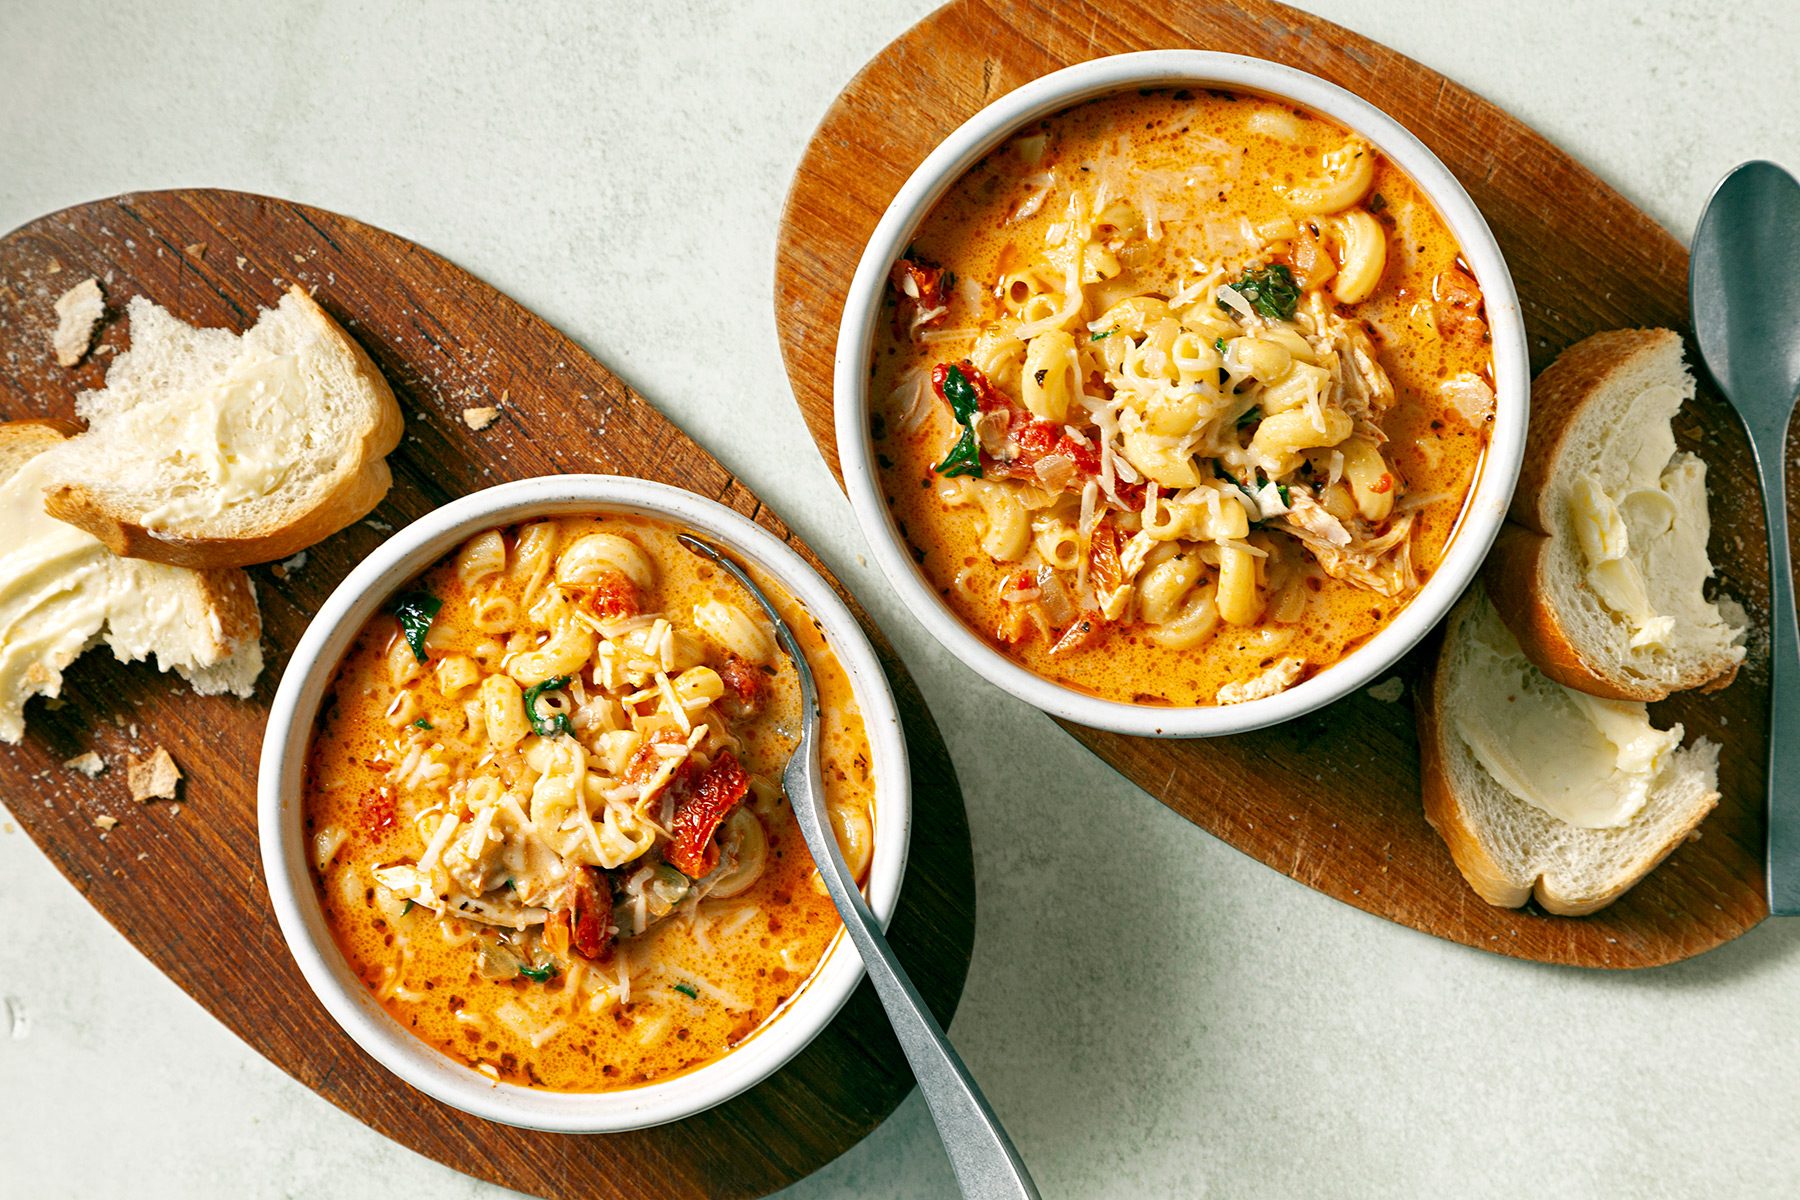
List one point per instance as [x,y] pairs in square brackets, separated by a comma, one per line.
[1601,570]
[210,449]
[62,592]
[1482,692]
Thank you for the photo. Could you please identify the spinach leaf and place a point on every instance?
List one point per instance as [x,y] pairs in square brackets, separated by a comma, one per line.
[1270,290]
[964,457]
[542,726]
[416,611]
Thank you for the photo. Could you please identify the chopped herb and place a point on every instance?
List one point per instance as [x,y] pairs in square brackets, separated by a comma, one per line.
[687,989]
[1281,489]
[1251,415]
[949,281]
[421,723]
[553,725]
[1377,202]
[416,611]
[1103,334]
[1269,290]
[1219,345]
[964,457]
[407,909]
[541,974]
[1040,376]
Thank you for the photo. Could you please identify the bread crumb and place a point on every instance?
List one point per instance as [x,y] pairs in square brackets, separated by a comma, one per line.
[89,764]
[289,566]
[479,418]
[1388,690]
[241,260]
[196,249]
[77,312]
[106,822]
[153,777]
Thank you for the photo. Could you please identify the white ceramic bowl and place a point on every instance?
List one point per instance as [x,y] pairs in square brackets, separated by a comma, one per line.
[1181,68]
[285,858]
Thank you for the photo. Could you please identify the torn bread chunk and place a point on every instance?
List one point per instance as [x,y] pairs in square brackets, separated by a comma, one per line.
[89,764]
[153,777]
[211,449]
[62,592]
[78,311]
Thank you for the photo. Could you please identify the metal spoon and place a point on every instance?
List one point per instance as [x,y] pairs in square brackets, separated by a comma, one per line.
[987,1167]
[1744,288]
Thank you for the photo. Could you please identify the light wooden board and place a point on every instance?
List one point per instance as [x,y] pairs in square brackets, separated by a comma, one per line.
[1332,799]
[187,889]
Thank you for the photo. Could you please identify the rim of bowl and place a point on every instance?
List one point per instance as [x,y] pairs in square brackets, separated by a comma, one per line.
[288,871]
[1482,513]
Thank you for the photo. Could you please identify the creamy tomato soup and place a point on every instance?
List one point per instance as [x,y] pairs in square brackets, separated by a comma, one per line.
[1182,395]
[544,803]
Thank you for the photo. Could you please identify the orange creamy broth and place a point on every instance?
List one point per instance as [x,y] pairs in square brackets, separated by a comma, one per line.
[743,958]
[1143,143]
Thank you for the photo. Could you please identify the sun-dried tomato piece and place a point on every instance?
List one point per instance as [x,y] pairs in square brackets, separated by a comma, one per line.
[1088,628]
[747,684]
[920,291]
[613,597]
[699,812]
[586,912]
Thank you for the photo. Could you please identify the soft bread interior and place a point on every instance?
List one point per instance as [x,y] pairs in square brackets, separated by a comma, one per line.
[1511,849]
[202,433]
[1627,564]
[62,592]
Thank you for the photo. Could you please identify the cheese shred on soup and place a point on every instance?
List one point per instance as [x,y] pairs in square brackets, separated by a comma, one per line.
[544,804]
[1182,396]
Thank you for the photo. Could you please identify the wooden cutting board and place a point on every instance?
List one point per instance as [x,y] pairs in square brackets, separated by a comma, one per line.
[1332,799]
[184,883]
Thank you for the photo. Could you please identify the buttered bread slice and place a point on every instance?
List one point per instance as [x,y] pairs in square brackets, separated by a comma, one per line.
[1543,791]
[1601,571]
[62,591]
[211,449]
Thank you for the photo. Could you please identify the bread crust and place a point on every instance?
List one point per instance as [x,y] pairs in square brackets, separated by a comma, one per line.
[1442,811]
[22,441]
[1513,574]
[1558,395]
[359,486]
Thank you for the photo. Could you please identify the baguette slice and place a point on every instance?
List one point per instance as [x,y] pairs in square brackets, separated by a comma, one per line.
[1601,570]
[62,592]
[207,449]
[1509,849]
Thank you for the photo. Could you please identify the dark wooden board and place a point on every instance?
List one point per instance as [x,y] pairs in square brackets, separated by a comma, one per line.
[1332,800]
[186,887]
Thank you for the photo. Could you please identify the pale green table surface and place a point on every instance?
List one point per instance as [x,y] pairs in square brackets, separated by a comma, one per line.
[1222,1031]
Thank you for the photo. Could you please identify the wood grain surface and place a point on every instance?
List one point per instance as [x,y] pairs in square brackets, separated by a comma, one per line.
[184,883]
[1332,800]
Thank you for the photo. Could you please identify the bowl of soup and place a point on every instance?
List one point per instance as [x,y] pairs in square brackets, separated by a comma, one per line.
[1181,393]
[521,810]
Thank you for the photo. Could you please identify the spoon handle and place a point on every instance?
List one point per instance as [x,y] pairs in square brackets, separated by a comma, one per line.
[1784,684]
[986,1165]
